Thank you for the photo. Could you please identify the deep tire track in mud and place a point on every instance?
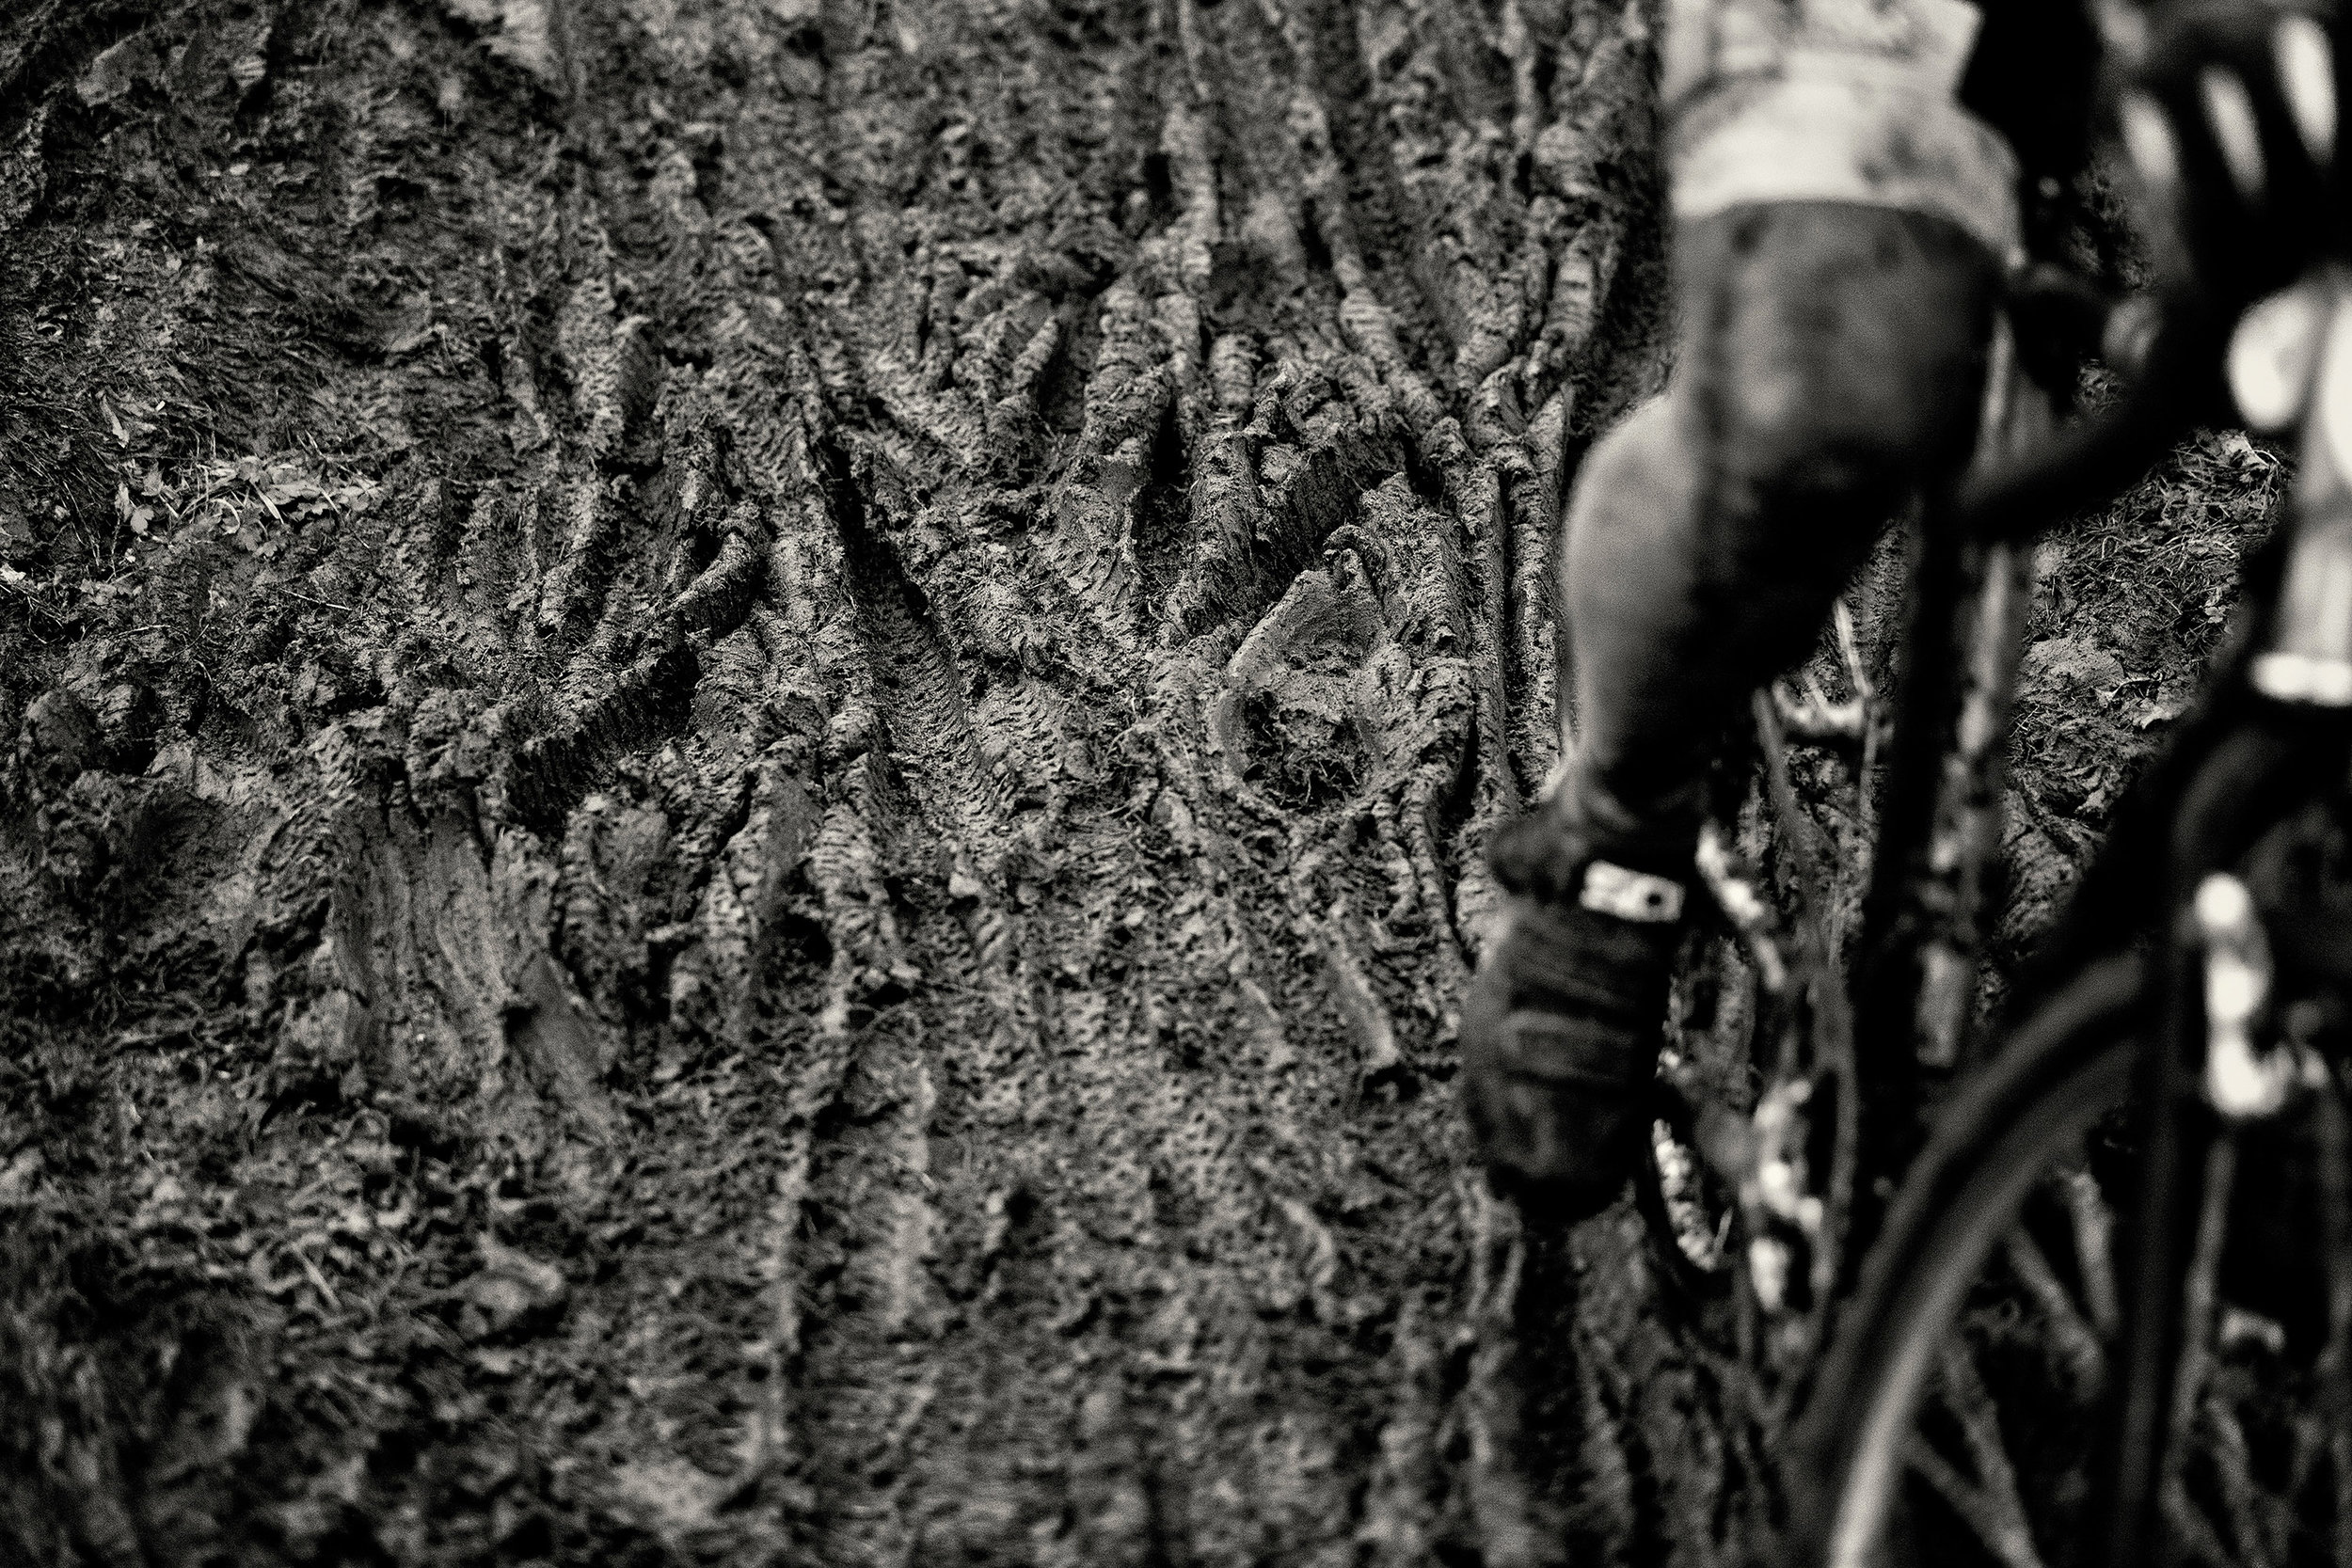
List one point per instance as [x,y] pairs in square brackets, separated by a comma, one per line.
[748,749]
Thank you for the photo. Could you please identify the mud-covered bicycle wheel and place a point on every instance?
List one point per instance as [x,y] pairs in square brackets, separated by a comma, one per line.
[1960,1413]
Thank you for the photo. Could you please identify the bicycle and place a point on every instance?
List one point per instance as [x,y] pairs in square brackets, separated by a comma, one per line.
[2198,998]
[1785,1169]
[2196,992]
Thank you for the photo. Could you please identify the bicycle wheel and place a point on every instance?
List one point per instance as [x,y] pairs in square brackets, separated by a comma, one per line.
[1960,1413]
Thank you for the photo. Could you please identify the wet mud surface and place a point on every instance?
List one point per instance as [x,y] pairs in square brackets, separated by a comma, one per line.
[746,750]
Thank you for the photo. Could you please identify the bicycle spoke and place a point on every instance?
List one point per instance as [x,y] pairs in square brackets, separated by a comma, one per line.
[2341,1447]
[2195,1539]
[1990,1506]
[2005,1536]
[2253,1515]
[2192,1530]
[2094,1234]
[1849,651]
[1965,1396]
[2335,1359]
[2201,1291]
[2077,1345]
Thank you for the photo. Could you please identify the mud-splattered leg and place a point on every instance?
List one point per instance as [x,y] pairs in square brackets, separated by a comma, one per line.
[1832,358]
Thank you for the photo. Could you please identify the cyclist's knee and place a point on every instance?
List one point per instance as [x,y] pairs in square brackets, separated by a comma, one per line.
[1639,477]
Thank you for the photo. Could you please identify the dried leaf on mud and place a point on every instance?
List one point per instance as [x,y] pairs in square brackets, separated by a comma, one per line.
[512,1293]
[524,34]
[2068,661]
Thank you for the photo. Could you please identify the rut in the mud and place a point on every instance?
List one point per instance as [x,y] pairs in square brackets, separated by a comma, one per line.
[749,745]
[754,831]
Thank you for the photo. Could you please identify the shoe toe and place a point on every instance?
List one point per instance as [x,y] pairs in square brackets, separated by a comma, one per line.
[1552,1076]
[1565,1149]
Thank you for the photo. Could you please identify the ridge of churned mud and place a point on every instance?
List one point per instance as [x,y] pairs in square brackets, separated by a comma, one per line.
[748,749]
[753,738]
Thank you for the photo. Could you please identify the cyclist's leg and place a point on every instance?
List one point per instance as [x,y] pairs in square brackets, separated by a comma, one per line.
[1832,358]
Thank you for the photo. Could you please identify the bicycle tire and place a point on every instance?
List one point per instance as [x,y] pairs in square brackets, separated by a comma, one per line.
[2068,1067]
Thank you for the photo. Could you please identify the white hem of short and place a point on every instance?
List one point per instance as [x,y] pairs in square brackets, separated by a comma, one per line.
[1870,143]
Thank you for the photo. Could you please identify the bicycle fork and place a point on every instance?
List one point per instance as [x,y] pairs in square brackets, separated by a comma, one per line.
[2207,1079]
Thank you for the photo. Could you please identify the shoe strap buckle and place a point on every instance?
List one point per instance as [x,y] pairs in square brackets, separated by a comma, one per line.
[1631,895]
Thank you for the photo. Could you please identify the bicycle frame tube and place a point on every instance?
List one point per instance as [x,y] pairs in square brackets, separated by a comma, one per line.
[1887,971]
[1964,832]
[1939,806]
[2247,781]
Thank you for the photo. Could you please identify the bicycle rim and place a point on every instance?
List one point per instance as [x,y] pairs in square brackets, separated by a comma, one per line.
[2069,1069]
[1983,1215]
[1965,1411]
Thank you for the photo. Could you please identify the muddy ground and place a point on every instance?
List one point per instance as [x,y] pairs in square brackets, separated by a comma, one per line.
[746,741]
